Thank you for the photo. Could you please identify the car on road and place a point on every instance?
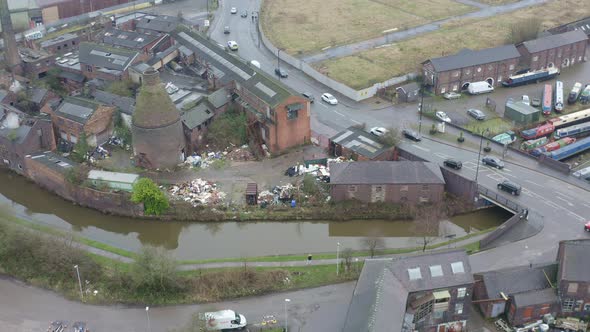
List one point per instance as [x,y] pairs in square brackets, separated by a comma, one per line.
[226,30]
[309,96]
[493,161]
[244,13]
[587,226]
[526,100]
[453,163]
[477,114]
[255,64]
[281,72]
[328,98]
[452,95]
[412,134]
[378,131]
[536,102]
[442,116]
[510,187]
[232,45]
[233,10]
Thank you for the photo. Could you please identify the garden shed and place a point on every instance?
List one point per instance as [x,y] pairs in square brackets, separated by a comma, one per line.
[521,113]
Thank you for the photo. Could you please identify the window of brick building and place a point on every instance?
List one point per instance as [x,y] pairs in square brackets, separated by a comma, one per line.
[456,74]
[572,287]
[458,308]
[511,67]
[403,188]
[461,292]
[89,68]
[352,188]
[467,72]
[567,305]
[378,189]
[535,58]
[425,187]
[479,69]
[293,111]
[527,313]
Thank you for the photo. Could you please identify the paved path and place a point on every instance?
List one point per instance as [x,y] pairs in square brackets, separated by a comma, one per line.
[349,49]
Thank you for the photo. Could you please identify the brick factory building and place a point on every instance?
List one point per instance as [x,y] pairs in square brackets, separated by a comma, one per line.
[559,51]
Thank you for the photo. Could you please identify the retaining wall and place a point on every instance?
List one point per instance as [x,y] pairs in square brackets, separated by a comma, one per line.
[501,230]
[356,95]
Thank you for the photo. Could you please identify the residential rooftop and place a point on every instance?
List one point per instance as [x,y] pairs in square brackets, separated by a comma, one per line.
[554,41]
[467,57]
[360,141]
[386,172]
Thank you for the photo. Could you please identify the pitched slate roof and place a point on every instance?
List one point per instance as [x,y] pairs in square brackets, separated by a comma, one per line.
[233,68]
[524,299]
[128,39]
[574,264]
[125,104]
[518,279]
[196,116]
[18,135]
[467,57]
[360,142]
[410,87]
[381,292]
[59,39]
[161,23]
[77,109]
[554,41]
[385,172]
[106,57]
[219,98]
[37,95]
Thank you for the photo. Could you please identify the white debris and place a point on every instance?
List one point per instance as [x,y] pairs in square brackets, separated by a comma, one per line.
[197,192]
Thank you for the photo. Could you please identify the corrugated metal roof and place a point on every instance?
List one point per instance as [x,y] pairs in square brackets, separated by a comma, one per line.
[467,57]
[112,176]
[554,41]
[106,57]
[573,267]
[360,142]
[196,116]
[385,172]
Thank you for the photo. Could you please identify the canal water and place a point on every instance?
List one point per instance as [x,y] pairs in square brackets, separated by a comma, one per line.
[187,240]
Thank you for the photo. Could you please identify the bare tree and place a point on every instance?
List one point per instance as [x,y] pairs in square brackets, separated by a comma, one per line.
[347,256]
[426,223]
[372,244]
[523,30]
[391,137]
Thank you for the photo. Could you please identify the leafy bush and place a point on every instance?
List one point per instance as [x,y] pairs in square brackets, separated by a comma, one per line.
[228,128]
[147,192]
[81,149]
[154,273]
[122,88]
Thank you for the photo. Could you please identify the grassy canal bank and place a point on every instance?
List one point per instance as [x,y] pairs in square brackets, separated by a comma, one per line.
[44,256]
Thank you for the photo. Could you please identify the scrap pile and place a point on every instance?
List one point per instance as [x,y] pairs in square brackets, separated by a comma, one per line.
[205,159]
[319,169]
[240,154]
[197,192]
[278,194]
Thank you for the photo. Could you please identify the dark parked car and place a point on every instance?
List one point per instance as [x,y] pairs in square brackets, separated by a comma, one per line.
[412,134]
[510,187]
[493,161]
[281,72]
[309,96]
[453,163]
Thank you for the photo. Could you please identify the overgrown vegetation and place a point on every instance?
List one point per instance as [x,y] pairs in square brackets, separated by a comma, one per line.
[121,130]
[53,82]
[81,149]
[524,30]
[391,137]
[77,174]
[124,88]
[147,192]
[229,128]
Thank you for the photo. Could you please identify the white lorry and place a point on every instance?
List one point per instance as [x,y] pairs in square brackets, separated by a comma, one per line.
[476,88]
[224,320]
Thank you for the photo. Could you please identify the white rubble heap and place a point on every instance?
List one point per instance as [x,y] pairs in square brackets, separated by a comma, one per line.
[232,153]
[197,192]
[279,193]
[319,171]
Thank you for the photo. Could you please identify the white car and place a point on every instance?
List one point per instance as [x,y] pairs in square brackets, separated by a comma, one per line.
[452,95]
[378,131]
[232,45]
[328,98]
[233,10]
[526,100]
[442,116]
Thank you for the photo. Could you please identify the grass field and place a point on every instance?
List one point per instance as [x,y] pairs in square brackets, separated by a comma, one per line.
[377,65]
[302,28]
[497,2]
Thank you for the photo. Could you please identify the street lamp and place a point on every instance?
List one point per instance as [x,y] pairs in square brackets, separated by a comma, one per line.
[79,282]
[147,312]
[337,258]
[286,315]
[279,62]
[486,132]
[420,108]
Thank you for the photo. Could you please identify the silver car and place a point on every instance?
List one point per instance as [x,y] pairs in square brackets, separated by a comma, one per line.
[477,114]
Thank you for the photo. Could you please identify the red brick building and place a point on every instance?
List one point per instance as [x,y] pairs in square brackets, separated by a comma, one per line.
[410,182]
[147,44]
[106,63]
[560,51]
[455,72]
[65,43]
[76,115]
[278,117]
[22,135]
[574,277]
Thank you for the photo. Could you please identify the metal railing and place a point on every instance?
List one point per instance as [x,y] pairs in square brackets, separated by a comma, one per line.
[499,199]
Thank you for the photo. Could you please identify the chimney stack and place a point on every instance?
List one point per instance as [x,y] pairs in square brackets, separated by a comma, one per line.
[12,58]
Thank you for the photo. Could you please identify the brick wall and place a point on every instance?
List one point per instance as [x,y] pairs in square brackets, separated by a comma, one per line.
[97,127]
[394,193]
[287,132]
[581,297]
[559,57]
[430,323]
[39,138]
[523,315]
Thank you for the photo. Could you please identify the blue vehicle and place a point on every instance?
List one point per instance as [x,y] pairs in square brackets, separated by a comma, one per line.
[570,150]
[572,130]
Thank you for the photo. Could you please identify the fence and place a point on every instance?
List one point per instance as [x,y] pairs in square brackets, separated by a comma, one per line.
[499,199]
[343,89]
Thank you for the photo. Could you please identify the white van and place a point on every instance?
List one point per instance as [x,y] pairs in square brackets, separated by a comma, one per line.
[476,88]
[583,173]
[255,63]
[224,320]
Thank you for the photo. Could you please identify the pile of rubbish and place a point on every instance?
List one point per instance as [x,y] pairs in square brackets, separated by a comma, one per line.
[240,154]
[277,194]
[99,153]
[318,168]
[205,160]
[197,192]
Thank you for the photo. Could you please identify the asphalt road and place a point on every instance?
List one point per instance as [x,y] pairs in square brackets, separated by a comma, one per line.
[26,309]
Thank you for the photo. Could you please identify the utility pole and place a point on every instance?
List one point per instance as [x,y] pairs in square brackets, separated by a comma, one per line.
[421,105]
[479,153]
[279,62]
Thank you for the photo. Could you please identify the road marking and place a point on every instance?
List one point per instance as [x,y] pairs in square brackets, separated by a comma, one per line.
[339,113]
[586,205]
[441,155]
[564,195]
[553,205]
[506,169]
[580,218]
[322,105]
[510,175]
[420,148]
[565,200]
[353,120]
[531,182]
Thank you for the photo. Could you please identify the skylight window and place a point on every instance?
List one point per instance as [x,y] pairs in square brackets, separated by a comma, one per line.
[436,271]
[415,273]
[457,267]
